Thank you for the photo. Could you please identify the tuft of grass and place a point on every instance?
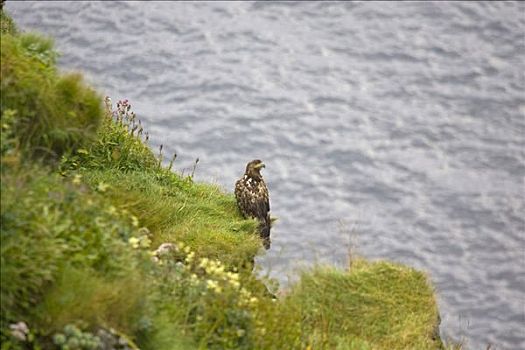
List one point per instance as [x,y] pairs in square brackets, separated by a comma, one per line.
[379,305]
[93,299]
[7,25]
[120,144]
[53,113]
[48,224]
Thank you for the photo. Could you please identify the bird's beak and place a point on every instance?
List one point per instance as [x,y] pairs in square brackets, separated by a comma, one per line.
[260,165]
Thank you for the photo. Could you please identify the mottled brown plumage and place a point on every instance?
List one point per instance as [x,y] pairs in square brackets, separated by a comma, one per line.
[253,199]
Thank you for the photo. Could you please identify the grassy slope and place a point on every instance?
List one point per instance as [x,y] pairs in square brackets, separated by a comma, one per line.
[382,305]
[68,255]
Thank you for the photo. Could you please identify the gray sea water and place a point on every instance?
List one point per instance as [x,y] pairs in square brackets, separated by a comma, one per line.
[396,129]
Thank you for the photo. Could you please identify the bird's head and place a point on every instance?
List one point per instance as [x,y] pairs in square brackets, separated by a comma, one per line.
[253,169]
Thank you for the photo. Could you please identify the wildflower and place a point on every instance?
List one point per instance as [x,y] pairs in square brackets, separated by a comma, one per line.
[102,187]
[134,221]
[164,248]
[77,179]
[143,231]
[189,257]
[210,284]
[213,285]
[233,276]
[215,268]
[59,339]
[193,279]
[245,294]
[204,263]
[112,210]
[235,284]
[109,104]
[19,330]
[134,241]
[145,242]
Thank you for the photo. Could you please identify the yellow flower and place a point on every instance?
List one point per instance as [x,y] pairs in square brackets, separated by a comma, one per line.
[134,241]
[203,263]
[219,269]
[102,187]
[189,257]
[210,284]
[213,285]
[235,284]
[134,221]
[77,179]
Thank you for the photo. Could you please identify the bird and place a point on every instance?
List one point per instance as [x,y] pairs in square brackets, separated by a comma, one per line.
[253,199]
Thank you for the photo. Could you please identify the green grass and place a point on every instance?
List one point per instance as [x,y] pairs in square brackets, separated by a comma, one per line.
[7,25]
[53,113]
[381,305]
[48,225]
[172,207]
[85,202]
[176,210]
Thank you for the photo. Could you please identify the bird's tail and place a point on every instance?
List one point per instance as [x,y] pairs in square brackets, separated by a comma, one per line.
[264,230]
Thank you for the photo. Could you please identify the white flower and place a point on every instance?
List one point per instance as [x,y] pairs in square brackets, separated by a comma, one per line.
[19,330]
[164,248]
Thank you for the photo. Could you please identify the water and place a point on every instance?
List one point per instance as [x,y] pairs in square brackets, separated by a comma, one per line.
[396,128]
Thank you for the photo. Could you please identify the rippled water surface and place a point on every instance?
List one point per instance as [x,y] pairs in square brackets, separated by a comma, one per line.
[397,128]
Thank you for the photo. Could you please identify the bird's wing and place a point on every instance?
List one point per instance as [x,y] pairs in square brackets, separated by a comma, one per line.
[262,202]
